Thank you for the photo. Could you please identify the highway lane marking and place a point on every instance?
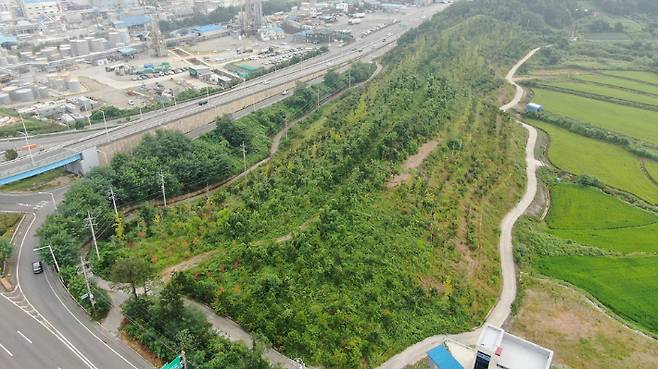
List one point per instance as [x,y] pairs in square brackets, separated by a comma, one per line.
[22,335]
[40,318]
[7,351]
[85,327]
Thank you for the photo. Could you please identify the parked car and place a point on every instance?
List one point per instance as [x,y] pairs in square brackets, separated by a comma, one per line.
[37,267]
[203,102]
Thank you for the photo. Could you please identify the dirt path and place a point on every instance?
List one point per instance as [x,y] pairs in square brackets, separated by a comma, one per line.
[186,265]
[502,310]
[412,162]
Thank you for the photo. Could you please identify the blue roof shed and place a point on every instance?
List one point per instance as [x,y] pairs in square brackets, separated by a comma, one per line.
[131,21]
[208,28]
[441,358]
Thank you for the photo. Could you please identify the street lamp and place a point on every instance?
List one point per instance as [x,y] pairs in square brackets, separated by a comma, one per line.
[52,197]
[51,254]
[107,134]
[27,143]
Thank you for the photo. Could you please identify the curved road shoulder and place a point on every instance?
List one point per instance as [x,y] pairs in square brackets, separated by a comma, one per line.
[502,310]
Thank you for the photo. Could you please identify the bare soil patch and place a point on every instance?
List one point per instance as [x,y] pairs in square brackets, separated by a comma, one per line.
[187,264]
[412,162]
[581,335]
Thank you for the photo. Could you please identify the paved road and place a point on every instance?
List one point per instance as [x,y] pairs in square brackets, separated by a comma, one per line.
[335,57]
[44,297]
[502,310]
[27,343]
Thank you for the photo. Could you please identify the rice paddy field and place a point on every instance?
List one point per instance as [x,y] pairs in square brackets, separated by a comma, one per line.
[609,163]
[592,88]
[646,77]
[628,285]
[652,168]
[634,122]
[637,85]
[591,217]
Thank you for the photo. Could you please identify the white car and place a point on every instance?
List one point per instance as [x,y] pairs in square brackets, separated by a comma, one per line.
[285,92]
[266,82]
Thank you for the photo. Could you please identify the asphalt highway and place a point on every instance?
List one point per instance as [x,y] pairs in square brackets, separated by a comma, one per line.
[63,145]
[59,323]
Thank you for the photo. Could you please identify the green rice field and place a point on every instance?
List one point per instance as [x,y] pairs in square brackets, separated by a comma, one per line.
[609,163]
[634,122]
[591,217]
[652,168]
[606,91]
[627,285]
[637,75]
[620,82]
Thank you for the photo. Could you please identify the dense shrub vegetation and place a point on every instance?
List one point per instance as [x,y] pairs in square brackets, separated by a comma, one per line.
[167,327]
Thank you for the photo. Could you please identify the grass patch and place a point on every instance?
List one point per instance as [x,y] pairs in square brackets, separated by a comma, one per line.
[606,91]
[607,162]
[7,223]
[579,207]
[52,179]
[634,122]
[652,168]
[628,285]
[640,76]
[620,82]
[563,320]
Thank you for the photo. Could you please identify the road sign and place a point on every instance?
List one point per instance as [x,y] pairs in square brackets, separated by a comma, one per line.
[84,296]
[177,363]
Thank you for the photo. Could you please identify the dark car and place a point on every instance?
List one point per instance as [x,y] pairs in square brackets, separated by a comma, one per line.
[203,102]
[37,267]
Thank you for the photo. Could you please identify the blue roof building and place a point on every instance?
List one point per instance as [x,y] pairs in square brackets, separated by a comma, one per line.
[208,28]
[131,21]
[440,358]
[9,40]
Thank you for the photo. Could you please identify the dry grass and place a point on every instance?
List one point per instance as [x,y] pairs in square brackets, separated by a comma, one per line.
[580,334]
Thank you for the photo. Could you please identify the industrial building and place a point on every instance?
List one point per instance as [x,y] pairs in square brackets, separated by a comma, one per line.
[33,9]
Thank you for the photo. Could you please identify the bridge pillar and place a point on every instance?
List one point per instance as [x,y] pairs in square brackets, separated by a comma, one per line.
[89,161]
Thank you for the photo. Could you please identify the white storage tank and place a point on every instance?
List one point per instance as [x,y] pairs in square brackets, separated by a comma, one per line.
[113,38]
[125,36]
[58,83]
[4,99]
[65,50]
[97,45]
[74,85]
[11,91]
[79,47]
[42,92]
[24,95]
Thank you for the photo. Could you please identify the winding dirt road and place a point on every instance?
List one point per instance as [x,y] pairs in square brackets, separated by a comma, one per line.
[502,310]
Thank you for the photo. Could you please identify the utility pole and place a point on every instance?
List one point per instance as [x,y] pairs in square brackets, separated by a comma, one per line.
[318,98]
[244,155]
[51,254]
[183,359]
[164,194]
[84,272]
[114,201]
[93,233]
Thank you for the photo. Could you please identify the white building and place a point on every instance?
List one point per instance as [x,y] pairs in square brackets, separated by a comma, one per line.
[33,9]
[271,33]
[495,349]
